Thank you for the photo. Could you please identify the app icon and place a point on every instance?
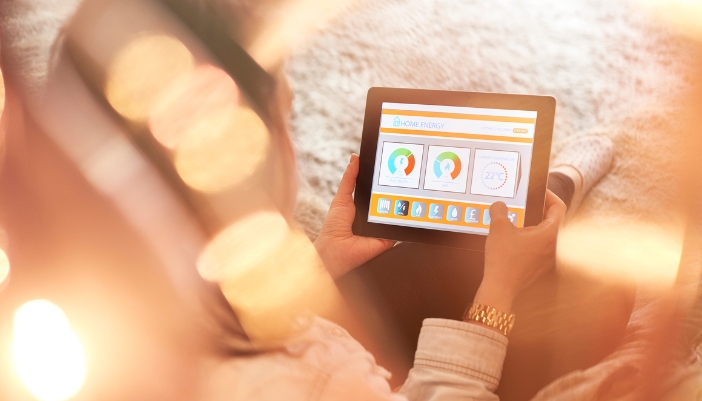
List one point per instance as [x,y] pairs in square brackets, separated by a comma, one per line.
[436,211]
[486,217]
[512,216]
[419,209]
[384,205]
[472,215]
[454,213]
[401,207]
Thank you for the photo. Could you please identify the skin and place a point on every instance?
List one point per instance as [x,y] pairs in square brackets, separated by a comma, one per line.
[514,257]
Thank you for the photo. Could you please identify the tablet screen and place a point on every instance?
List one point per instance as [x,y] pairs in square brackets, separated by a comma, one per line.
[441,167]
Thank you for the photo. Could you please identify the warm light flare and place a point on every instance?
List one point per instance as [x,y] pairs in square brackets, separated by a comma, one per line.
[222,149]
[242,246]
[188,100]
[682,15]
[622,251]
[48,356]
[141,70]
[270,274]
[4,268]
[290,24]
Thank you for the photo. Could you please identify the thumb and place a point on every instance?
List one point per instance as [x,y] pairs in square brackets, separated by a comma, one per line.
[348,181]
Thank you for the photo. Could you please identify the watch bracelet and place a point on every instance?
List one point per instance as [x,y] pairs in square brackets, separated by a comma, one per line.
[490,317]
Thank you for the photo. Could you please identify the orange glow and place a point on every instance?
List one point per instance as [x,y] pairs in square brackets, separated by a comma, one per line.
[622,251]
[242,246]
[293,22]
[683,15]
[48,356]
[270,274]
[141,70]
[188,99]
[222,148]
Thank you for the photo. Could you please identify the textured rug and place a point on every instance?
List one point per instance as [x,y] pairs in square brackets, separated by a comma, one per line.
[613,70]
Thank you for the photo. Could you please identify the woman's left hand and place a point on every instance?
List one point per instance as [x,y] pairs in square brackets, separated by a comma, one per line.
[341,250]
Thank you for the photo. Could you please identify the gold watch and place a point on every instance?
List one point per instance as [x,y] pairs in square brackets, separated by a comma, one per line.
[489,316]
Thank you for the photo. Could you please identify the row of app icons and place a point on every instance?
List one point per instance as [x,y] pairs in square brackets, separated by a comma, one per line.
[437,211]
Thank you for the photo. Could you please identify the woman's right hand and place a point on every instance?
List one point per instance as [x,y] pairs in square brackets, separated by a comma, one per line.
[516,257]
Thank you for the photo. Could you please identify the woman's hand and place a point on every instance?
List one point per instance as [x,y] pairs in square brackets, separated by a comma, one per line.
[516,257]
[340,250]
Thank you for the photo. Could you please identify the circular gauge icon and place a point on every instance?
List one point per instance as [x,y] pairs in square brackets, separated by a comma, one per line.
[447,163]
[401,161]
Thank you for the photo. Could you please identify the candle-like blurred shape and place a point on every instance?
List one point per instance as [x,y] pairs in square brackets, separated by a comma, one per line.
[142,70]
[48,356]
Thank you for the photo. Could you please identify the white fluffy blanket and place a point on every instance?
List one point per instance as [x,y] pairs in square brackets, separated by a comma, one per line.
[613,70]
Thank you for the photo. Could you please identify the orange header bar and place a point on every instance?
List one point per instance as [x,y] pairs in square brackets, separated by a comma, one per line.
[438,114]
[482,137]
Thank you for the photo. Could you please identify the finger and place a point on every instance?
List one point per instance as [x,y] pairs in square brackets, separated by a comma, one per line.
[551,199]
[498,215]
[348,180]
[555,210]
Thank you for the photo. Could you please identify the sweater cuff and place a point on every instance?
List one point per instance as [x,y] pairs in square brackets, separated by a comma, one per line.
[463,348]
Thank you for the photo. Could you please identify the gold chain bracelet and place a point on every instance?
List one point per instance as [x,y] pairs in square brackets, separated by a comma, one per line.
[489,316]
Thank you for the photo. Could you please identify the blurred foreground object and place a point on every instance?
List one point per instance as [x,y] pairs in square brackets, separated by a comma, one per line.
[633,251]
[684,16]
[47,354]
[141,70]
[270,274]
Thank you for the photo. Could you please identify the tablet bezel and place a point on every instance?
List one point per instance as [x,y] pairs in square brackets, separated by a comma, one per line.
[545,107]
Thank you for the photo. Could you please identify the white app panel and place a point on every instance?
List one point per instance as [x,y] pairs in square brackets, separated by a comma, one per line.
[401,164]
[495,173]
[447,169]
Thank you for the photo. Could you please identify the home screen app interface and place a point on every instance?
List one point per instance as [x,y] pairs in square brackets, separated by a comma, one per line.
[441,167]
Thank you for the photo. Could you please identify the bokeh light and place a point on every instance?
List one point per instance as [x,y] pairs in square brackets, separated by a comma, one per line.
[189,99]
[4,268]
[622,251]
[269,273]
[242,246]
[48,356]
[141,70]
[222,148]
[683,15]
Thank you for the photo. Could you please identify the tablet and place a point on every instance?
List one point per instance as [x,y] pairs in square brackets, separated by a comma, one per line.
[432,163]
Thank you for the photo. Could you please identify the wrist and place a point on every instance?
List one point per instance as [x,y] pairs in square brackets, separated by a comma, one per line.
[496,295]
[327,258]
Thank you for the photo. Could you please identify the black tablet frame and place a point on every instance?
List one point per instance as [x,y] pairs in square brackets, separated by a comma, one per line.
[545,106]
